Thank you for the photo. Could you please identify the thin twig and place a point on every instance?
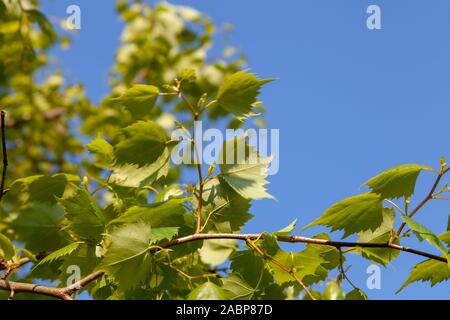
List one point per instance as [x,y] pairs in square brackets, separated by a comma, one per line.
[299,239]
[422,203]
[4,154]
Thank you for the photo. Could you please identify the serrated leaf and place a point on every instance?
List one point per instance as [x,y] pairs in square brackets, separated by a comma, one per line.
[103,151]
[85,216]
[131,175]
[172,191]
[138,100]
[423,233]
[58,254]
[207,291]
[286,231]
[396,182]
[246,173]
[45,189]
[7,250]
[162,214]
[38,226]
[354,214]
[228,211]
[380,235]
[429,270]
[142,144]
[128,260]
[445,237]
[236,288]
[238,92]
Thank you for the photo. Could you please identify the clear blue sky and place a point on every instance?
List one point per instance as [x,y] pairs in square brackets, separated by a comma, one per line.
[350,102]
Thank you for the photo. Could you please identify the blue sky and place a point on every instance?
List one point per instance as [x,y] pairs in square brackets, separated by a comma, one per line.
[349,103]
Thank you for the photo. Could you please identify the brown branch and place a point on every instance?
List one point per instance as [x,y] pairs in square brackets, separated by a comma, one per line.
[300,239]
[4,154]
[59,293]
[280,265]
[423,202]
[67,292]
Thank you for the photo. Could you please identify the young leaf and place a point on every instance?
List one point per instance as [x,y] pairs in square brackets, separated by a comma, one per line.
[131,175]
[380,235]
[429,270]
[38,226]
[86,218]
[128,259]
[207,291]
[138,100]
[142,144]
[46,189]
[103,150]
[246,173]
[228,210]
[163,214]
[60,253]
[286,231]
[354,214]
[423,233]
[6,248]
[239,91]
[396,182]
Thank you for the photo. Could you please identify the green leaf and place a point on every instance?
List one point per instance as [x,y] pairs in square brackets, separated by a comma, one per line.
[228,211]
[188,75]
[172,191]
[286,231]
[38,226]
[60,253]
[207,291]
[236,288]
[380,235]
[85,216]
[244,170]
[131,175]
[396,182]
[128,259]
[356,294]
[103,150]
[142,144]
[445,237]
[354,214]
[6,248]
[42,188]
[216,252]
[238,93]
[429,270]
[163,214]
[423,233]
[138,100]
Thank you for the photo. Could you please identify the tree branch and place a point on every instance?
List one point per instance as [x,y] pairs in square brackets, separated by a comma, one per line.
[59,293]
[67,292]
[4,154]
[300,239]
